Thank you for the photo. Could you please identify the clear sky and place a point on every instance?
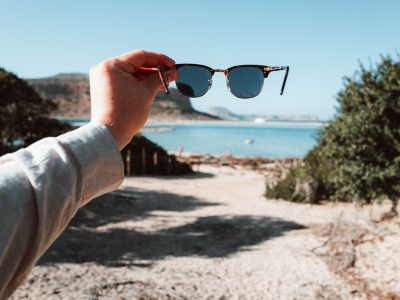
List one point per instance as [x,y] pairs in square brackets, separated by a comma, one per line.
[322,41]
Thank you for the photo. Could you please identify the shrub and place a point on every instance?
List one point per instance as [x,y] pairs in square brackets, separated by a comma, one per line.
[363,143]
[358,153]
[24,115]
[298,186]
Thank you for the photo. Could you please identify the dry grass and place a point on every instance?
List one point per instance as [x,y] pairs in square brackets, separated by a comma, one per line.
[340,254]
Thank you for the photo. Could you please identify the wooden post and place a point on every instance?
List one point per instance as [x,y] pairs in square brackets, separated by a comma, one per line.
[144,160]
[297,188]
[155,163]
[128,163]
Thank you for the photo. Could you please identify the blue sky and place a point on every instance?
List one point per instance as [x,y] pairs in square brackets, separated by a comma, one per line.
[321,41]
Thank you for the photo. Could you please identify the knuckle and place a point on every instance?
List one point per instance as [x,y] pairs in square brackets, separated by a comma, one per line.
[105,65]
[140,52]
[92,69]
[173,75]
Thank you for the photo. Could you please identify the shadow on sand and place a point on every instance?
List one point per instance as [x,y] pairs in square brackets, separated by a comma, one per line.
[195,175]
[132,204]
[213,236]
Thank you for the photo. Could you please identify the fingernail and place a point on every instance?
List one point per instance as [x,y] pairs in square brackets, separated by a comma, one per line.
[171,62]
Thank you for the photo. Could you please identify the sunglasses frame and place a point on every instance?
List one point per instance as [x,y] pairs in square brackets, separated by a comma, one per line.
[265,69]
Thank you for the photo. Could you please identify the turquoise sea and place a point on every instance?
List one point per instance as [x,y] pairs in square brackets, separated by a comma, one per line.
[278,140]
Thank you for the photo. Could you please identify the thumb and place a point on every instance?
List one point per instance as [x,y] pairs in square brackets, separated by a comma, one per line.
[153,81]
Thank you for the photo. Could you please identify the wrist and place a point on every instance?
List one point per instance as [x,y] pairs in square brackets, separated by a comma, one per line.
[120,138]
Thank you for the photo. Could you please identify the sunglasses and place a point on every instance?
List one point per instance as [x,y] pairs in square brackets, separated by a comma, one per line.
[245,81]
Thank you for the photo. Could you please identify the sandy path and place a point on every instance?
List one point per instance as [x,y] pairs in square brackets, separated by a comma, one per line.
[208,236]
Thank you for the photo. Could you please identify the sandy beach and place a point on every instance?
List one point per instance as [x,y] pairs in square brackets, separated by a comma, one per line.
[213,235]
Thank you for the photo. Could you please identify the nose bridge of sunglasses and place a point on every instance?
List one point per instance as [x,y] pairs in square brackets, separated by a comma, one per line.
[221,71]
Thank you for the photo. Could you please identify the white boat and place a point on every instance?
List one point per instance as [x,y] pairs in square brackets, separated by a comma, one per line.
[259,120]
[250,141]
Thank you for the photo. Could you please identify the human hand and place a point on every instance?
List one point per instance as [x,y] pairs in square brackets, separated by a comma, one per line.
[123,89]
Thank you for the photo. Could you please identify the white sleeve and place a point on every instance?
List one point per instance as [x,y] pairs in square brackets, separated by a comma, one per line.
[42,187]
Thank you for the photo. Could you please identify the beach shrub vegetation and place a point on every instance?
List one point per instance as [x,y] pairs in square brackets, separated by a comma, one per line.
[24,115]
[363,142]
[358,153]
[285,189]
[308,183]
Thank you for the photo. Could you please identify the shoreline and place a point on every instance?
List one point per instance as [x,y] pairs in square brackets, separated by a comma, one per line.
[186,154]
[83,120]
[171,122]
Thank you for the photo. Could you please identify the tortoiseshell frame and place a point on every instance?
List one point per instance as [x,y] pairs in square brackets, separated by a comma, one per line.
[265,69]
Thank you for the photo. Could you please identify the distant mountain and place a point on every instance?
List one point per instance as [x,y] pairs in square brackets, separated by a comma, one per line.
[72,94]
[224,113]
[176,106]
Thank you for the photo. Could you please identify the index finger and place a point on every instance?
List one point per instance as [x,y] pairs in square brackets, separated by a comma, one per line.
[141,58]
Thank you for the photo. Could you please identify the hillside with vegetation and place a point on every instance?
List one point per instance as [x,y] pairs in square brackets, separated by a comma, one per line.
[71,92]
[24,115]
[25,119]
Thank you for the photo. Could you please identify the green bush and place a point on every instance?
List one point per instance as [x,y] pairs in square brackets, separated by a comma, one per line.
[313,181]
[363,142]
[24,115]
[319,168]
[358,153]
[285,188]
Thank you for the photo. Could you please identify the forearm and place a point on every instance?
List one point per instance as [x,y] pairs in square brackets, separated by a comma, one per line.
[41,188]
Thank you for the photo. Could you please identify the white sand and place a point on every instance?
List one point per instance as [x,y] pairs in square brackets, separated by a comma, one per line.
[207,236]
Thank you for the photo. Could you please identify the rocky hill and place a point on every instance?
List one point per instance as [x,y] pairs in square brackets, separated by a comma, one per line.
[72,94]
[176,106]
[70,91]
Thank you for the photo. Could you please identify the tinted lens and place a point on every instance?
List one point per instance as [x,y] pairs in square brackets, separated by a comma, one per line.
[245,82]
[193,81]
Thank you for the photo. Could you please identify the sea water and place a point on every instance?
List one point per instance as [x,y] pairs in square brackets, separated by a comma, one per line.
[271,140]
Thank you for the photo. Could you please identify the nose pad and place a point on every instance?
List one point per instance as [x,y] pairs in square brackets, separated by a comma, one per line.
[209,84]
[227,83]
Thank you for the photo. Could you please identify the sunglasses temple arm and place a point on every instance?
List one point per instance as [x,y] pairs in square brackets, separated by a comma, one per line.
[160,69]
[272,69]
[284,80]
